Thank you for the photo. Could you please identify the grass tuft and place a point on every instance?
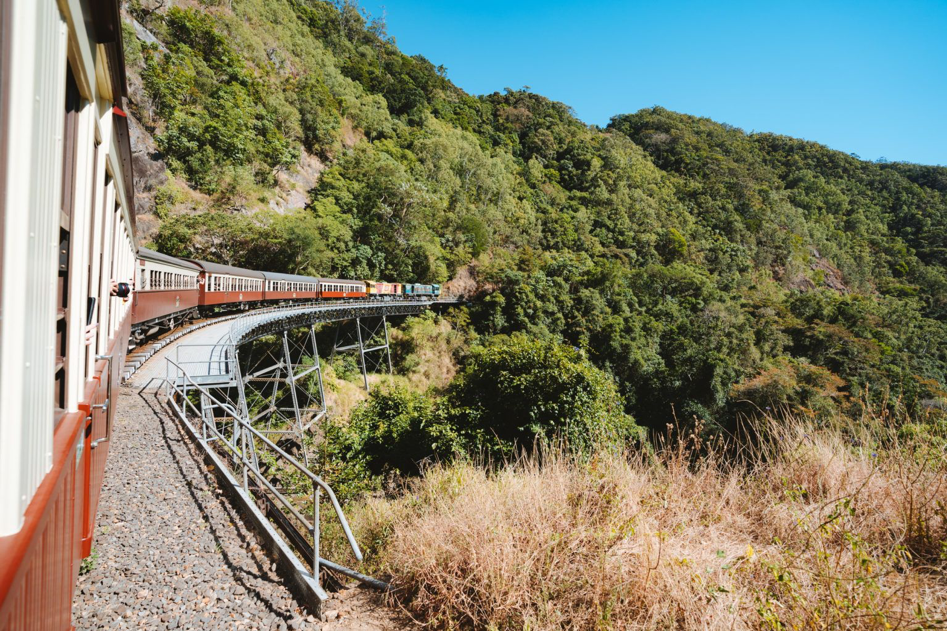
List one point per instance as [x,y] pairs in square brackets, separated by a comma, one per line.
[814,529]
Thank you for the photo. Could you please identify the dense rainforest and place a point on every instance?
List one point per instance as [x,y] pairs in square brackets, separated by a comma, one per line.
[671,266]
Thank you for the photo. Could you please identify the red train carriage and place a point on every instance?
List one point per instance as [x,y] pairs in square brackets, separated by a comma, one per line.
[290,287]
[226,286]
[341,288]
[167,292]
[67,231]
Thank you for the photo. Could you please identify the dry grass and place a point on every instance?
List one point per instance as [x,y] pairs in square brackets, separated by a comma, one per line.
[814,533]
[342,396]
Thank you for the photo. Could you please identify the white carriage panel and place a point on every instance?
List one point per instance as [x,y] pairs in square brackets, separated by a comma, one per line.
[30,251]
[105,304]
[126,266]
[95,249]
[79,256]
[160,267]
[114,311]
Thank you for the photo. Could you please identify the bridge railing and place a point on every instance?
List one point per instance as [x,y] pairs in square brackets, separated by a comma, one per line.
[207,392]
[240,448]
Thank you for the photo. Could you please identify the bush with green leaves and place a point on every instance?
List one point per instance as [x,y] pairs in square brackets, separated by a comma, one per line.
[516,390]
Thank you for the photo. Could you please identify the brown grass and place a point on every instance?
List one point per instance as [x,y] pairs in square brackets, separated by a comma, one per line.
[816,532]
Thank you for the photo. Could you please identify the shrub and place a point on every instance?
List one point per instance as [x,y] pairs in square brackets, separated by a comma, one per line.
[517,389]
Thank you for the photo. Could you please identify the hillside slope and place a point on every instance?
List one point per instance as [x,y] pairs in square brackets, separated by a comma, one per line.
[704,268]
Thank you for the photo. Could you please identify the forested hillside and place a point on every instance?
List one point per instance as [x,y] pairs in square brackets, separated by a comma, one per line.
[709,272]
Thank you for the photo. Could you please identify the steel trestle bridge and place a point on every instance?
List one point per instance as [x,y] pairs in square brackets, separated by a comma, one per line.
[254,401]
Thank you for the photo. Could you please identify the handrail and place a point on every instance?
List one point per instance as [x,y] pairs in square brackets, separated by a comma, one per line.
[105,406]
[316,480]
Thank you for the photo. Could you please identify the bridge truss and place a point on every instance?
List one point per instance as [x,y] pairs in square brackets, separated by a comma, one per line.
[255,402]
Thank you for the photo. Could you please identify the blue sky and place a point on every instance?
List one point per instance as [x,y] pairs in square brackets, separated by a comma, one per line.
[863,77]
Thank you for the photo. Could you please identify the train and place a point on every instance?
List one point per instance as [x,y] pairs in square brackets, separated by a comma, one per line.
[77,290]
[170,291]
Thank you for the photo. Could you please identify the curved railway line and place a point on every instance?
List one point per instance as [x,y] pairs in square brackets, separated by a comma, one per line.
[203,566]
[77,291]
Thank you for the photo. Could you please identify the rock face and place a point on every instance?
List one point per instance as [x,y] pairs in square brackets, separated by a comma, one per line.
[150,173]
[464,284]
[293,186]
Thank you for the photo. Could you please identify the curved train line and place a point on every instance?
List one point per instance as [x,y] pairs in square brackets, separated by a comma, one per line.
[67,236]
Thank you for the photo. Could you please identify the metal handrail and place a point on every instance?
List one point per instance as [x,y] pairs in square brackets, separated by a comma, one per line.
[105,406]
[316,480]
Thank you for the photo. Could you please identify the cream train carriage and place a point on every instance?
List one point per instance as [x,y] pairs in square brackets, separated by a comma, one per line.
[67,230]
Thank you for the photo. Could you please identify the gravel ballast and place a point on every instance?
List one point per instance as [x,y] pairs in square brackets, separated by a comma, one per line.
[172,553]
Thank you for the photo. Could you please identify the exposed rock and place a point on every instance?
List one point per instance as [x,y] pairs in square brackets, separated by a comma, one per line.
[350,135]
[831,275]
[294,186]
[146,36]
[826,275]
[150,173]
[463,284]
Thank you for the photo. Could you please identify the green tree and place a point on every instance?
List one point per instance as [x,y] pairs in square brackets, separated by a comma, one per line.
[518,389]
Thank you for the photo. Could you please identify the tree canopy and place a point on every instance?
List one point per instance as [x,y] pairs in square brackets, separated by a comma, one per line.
[704,271]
